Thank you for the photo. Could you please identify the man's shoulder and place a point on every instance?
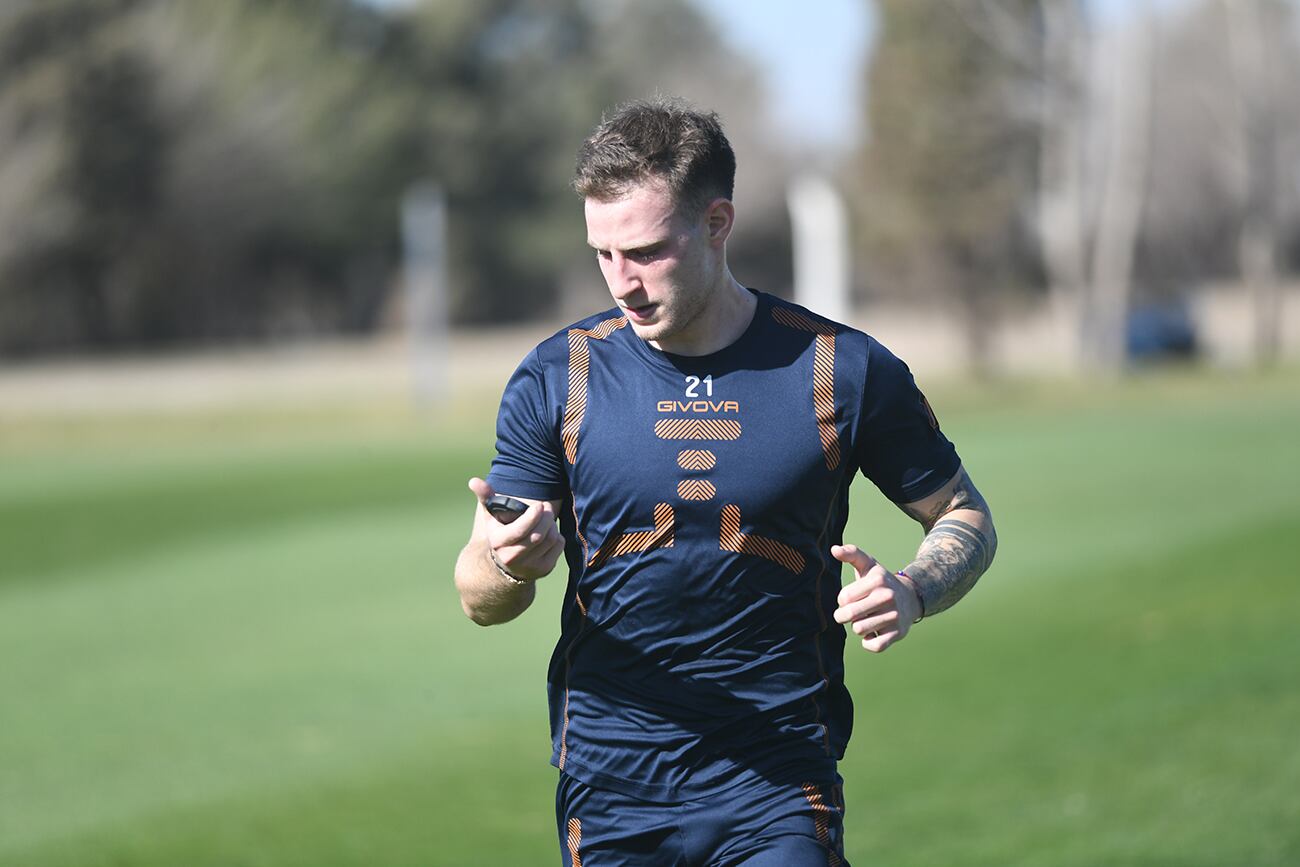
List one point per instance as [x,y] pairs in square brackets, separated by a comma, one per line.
[801,318]
[598,325]
[854,351]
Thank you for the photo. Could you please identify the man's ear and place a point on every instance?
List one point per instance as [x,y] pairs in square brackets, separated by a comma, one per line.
[719,219]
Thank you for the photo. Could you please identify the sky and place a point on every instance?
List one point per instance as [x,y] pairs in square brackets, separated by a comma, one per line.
[811,55]
[810,58]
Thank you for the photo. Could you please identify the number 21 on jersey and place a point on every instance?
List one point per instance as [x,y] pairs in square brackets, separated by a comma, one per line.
[693,386]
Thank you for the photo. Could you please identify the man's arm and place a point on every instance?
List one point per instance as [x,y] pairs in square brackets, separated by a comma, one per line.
[959,543]
[958,547]
[496,569]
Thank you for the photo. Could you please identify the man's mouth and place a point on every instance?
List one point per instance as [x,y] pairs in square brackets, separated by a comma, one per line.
[644,313]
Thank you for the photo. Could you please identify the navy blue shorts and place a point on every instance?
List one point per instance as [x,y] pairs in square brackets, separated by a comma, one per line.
[754,824]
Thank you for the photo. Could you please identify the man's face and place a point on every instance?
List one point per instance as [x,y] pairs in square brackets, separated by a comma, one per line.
[658,263]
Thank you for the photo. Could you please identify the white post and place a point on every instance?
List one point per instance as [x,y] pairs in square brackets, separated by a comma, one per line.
[820,226]
[424,244]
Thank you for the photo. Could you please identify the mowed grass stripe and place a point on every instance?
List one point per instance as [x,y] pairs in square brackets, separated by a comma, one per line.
[44,536]
[1103,484]
[1124,716]
[230,666]
[1133,743]
[305,690]
[478,797]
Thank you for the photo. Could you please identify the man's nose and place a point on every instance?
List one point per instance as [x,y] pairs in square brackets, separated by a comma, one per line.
[624,278]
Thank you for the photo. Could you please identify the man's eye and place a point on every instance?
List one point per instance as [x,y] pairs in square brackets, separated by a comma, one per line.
[602,254]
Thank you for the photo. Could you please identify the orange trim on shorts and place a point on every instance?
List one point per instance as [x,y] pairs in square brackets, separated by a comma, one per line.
[575,841]
[822,815]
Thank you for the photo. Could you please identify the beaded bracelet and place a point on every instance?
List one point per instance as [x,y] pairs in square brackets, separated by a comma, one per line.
[920,600]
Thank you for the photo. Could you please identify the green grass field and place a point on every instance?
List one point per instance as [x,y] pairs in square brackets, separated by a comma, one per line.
[230,641]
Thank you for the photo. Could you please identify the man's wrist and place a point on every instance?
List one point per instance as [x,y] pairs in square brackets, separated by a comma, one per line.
[916,591]
[505,573]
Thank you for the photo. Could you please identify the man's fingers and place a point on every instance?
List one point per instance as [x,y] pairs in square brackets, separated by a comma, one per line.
[520,530]
[481,489]
[860,560]
[880,642]
[538,558]
[533,527]
[876,624]
[866,583]
[863,598]
[869,602]
[553,549]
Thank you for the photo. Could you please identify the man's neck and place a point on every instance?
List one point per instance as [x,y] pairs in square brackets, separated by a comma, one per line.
[718,325]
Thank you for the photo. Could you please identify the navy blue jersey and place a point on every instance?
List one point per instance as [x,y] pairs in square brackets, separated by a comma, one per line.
[701,497]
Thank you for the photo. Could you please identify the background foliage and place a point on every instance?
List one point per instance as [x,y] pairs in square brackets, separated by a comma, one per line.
[223,171]
[230,170]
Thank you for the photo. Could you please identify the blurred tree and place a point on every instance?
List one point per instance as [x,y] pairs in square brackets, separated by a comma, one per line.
[291,145]
[231,169]
[1057,125]
[1262,49]
[949,161]
[513,86]
[1215,138]
[509,89]
[208,170]
[1124,181]
[76,112]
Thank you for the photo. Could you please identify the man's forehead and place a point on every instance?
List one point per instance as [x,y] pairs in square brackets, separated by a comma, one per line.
[651,192]
[642,216]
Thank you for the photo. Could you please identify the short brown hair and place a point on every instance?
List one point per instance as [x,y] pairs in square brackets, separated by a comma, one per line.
[663,139]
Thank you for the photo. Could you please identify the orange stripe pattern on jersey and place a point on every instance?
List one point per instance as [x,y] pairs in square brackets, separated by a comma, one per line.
[823,378]
[575,841]
[696,489]
[575,407]
[731,539]
[641,540]
[695,459]
[822,813]
[697,429]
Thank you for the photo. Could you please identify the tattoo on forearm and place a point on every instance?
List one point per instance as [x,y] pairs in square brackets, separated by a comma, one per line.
[926,518]
[951,559]
[964,496]
[955,553]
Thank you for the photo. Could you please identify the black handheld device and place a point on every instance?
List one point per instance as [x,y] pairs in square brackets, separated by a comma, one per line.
[505,509]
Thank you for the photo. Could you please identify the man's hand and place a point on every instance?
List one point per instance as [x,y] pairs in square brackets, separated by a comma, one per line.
[528,546]
[880,605]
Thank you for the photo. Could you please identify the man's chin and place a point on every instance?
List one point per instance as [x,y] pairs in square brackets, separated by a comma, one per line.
[649,331]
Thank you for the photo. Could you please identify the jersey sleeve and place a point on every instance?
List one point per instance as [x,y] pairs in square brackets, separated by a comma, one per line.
[900,447]
[529,460]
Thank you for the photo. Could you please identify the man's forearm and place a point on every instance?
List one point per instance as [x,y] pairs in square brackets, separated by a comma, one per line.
[959,544]
[486,596]
[955,553]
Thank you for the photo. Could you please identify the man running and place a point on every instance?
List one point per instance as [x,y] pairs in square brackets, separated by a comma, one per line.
[690,453]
